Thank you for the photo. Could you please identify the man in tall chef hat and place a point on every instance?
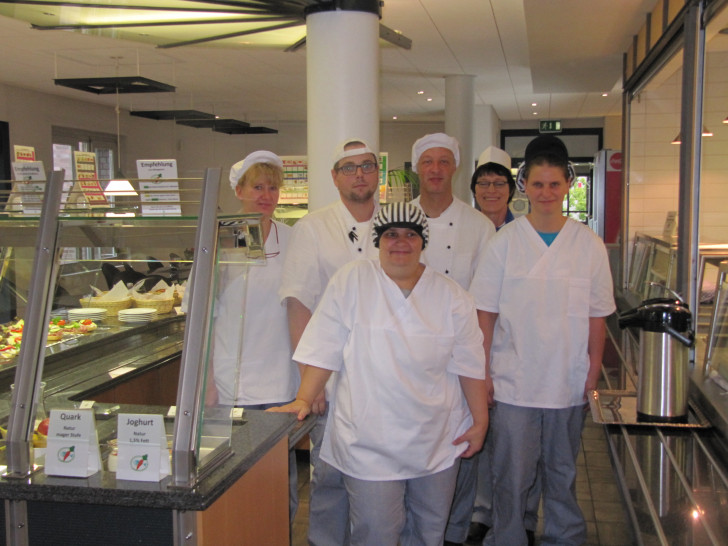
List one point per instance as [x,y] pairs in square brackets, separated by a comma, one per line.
[458,237]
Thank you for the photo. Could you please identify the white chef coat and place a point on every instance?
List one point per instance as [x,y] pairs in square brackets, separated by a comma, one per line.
[544,296]
[321,243]
[458,238]
[398,404]
[267,373]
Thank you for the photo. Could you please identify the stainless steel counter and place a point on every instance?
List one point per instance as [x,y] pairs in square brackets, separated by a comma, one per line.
[674,479]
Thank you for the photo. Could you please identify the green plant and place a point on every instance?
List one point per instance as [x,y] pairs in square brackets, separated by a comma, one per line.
[401,177]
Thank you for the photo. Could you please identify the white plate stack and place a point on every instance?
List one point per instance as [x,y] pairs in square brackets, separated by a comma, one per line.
[95,314]
[137,314]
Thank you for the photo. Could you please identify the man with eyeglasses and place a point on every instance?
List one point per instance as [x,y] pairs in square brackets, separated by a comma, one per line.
[458,237]
[322,242]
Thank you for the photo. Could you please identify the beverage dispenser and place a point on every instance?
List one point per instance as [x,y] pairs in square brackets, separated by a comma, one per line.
[665,335]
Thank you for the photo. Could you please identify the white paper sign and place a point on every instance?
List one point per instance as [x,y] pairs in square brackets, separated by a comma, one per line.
[160,190]
[73,445]
[143,453]
[27,194]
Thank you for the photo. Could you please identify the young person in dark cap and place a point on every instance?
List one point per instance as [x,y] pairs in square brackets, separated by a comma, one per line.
[543,290]
[410,395]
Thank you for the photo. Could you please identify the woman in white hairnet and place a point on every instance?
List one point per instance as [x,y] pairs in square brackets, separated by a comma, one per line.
[266,374]
[410,395]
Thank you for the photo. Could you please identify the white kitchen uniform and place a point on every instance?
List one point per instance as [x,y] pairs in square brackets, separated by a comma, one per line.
[267,373]
[398,403]
[544,296]
[321,243]
[458,238]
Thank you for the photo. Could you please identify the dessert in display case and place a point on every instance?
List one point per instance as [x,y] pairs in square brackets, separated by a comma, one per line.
[108,313]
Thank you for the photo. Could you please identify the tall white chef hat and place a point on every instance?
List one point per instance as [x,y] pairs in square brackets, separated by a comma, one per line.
[435,140]
[340,152]
[261,156]
[400,215]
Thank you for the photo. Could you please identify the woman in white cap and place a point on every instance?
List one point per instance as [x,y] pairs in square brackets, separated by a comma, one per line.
[543,290]
[493,186]
[267,375]
[410,395]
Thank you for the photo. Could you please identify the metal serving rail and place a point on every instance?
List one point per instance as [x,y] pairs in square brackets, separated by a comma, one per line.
[674,478]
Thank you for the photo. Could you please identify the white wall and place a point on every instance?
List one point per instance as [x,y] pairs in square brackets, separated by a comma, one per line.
[31,115]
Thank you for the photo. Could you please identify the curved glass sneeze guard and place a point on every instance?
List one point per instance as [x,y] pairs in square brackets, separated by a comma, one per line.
[239,246]
[717,357]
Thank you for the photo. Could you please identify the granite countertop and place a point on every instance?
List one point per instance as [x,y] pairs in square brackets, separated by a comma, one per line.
[251,440]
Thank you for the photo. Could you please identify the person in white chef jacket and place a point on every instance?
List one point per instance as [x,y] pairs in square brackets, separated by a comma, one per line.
[260,373]
[322,242]
[410,397]
[458,237]
[543,290]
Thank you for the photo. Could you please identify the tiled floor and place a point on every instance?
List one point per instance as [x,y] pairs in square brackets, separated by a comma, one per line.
[596,490]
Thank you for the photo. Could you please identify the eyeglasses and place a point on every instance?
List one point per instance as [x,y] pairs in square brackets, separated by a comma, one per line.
[367,167]
[497,185]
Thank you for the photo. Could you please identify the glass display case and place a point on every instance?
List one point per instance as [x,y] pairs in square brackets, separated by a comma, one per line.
[127,276]
[717,351]
[652,265]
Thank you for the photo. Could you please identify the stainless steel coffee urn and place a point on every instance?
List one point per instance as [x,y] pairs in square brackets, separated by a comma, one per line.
[665,335]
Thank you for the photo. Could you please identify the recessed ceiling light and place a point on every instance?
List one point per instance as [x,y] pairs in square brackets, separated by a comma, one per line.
[429,99]
[534,104]
[605,94]
[420,92]
[394,117]
[535,113]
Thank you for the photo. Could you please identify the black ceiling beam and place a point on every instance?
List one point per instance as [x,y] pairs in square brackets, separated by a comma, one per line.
[160,115]
[121,7]
[161,23]
[231,35]
[117,84]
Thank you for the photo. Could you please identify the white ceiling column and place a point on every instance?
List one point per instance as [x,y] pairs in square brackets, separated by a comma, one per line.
[487,129]
[459,105]
[342,56]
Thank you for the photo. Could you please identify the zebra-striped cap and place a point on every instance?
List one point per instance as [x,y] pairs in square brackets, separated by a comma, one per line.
[400,215]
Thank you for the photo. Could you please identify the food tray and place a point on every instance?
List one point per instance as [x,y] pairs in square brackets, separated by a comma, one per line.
[609,407]
[162,306]
[113,306]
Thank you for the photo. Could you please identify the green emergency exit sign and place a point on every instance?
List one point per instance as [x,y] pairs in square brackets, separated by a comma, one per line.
[549,126]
